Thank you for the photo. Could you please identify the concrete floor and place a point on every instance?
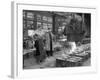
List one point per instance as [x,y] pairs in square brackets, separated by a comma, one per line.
[31,63]
[87,62]
[48,63]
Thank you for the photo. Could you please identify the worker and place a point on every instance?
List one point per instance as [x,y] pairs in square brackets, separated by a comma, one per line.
[40,52]
[72,31]
[49,43]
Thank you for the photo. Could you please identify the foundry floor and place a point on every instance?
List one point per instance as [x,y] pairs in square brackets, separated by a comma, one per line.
[49,62]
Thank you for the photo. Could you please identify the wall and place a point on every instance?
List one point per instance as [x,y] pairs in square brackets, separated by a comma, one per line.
[5,40]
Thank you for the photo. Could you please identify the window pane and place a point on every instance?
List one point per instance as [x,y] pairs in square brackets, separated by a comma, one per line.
[45,26]
[58,20]
[30,24]
[24,24]
[50,26]
[24,14]
[30,15]
[39,17]
[44,18]
[62,20]
[25,33]
[39,24]
[64,23]
[49,19]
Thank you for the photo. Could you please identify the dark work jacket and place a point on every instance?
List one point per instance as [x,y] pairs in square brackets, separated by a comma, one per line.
[73,33]
[39,45]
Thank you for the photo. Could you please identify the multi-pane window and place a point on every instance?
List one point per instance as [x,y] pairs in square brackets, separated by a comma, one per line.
[34,20]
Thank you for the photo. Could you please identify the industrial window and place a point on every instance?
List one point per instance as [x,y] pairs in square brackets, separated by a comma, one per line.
[36,19]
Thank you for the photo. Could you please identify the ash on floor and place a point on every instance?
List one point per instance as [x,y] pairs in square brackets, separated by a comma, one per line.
[49,62]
